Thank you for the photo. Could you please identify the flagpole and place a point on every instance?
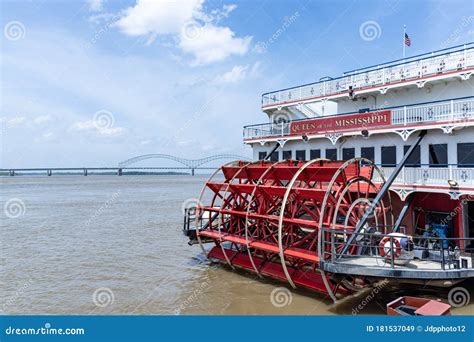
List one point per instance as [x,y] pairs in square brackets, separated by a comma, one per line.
[404,35]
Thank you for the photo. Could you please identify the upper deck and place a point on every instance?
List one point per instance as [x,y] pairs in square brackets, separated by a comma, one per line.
[444,114]
[454,62]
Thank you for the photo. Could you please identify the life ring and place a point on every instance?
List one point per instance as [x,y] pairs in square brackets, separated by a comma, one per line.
[385,247]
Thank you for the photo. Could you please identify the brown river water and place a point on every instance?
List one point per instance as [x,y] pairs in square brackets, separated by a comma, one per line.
[113,245]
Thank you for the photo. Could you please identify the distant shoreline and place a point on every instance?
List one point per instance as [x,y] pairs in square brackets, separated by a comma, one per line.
[125,173]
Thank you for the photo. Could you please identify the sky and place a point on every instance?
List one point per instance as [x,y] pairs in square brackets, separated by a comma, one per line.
[95,82]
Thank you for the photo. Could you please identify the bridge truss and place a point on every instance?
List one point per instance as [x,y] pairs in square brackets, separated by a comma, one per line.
[190,163]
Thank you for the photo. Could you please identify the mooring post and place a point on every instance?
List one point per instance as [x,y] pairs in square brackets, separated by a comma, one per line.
[50,172]
[12,173]
[119,172]
[85,172]
[192,172]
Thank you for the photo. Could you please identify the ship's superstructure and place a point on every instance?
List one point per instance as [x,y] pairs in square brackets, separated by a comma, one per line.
[359,178]
[375,113]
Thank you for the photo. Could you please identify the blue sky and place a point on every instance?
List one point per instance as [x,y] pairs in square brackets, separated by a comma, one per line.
[96,82]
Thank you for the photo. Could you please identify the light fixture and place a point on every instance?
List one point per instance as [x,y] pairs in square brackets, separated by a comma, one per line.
[452,183]
[304,137]
[365,133]
[352,94]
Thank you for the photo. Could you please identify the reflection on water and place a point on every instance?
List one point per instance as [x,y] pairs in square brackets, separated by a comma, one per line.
[113,245]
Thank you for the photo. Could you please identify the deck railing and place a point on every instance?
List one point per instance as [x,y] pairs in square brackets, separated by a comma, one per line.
[409,69]
[426,252]
[455,111]
[432,176]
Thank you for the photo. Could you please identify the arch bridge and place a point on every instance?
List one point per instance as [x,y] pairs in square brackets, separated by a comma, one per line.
[187,164]
[191,164]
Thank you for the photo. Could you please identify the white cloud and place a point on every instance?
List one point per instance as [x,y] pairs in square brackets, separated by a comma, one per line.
[213,43]
[39,120]
[159,17]
[146,142]
[164,112]
[196,31]
[186,143]
[91,127]
[237,74]
[12,122]
[95,5]
[46,137]
[104,18]
[218,14]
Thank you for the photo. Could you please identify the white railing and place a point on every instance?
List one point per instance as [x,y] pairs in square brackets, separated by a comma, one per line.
[425,175]
[453,111]
[436,63]
[266,130]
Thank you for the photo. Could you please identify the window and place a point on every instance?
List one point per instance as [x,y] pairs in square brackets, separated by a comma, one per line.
[274,156]
[348,153]
[438,155]
[314,154]
[368,153]
[301,155]
[389,156]
[331,153]
[415,158]
[286,155]
[262,155]
[466,154]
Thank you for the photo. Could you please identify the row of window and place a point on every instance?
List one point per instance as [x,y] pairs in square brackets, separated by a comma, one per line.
[438,155]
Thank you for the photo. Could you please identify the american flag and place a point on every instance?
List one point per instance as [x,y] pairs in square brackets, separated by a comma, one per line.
[407,40]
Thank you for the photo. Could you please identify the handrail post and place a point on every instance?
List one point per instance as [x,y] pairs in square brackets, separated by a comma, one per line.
[442,255]
[404,115]
[392,253]
[452,115]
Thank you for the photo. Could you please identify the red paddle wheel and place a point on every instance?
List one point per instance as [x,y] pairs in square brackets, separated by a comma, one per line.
[271,218]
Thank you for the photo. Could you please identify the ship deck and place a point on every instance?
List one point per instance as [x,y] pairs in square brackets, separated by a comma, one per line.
[415,269]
